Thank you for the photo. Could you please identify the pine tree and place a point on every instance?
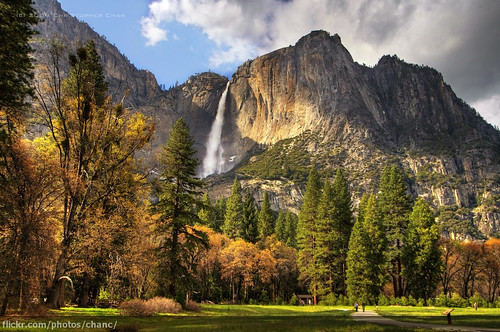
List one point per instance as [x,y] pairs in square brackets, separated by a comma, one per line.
[220,214]
[343,223]
[326,238]
[250,231]
[421,255]
[179,196]
[291,222]
[233,222]
[266,219]
[362,206]
[207,213]
[280,227]
[365,258]
[334,230]
[17,18]
[307,234]
[395,207]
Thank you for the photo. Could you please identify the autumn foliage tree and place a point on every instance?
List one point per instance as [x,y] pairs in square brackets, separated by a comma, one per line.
[91,138]
[27,225]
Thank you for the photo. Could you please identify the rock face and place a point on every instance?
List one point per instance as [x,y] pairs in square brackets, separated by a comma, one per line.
[314,97]
[196,100]
[311,104]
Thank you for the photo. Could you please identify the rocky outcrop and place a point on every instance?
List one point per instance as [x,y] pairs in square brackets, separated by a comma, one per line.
[311,104]
[362,118]
[196,100]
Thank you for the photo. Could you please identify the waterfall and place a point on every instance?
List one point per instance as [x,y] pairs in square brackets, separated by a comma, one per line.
[214,161]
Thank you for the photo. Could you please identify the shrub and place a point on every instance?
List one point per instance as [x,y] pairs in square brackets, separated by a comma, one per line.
[180,298]
[163,305]
[441,301]
[135,307]
[192,306]
[329,299]
[481,302]
[294,300]
[383,300]
[412,301]
[138,307]
[458,301]
[263,298]
[342,300]
[420,302]
[278,301]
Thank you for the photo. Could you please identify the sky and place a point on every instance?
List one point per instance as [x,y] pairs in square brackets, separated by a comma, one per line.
[175,39]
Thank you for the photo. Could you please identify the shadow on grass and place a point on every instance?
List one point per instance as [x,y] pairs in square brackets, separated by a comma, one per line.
[473,320]
[251,323]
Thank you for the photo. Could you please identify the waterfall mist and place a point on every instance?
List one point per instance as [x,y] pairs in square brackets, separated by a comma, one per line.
[214,161]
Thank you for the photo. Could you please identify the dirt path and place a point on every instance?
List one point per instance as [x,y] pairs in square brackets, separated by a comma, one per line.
[370,316]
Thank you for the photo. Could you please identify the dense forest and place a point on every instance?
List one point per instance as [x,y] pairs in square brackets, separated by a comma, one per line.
[82,221]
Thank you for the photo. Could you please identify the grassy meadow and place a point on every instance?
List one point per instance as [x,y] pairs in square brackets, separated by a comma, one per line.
[483,317]
[219,318]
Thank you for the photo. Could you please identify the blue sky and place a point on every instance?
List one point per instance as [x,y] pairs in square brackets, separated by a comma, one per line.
[183,55]
[178,38]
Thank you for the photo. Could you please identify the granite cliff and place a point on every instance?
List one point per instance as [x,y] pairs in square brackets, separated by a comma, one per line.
[311,104]
[196,100]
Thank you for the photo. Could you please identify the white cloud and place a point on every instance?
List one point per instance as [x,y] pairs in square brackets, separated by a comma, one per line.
[489,108]
[152,31]
[242,29]
[457,37]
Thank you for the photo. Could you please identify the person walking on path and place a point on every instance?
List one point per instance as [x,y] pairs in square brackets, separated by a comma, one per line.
[363,305]
[356,305]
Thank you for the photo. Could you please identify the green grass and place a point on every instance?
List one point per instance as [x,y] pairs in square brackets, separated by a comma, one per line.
[221,318]
[483,317]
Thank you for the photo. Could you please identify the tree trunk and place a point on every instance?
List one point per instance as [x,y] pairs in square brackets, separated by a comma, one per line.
[54,294]
[3,309]
[84,291]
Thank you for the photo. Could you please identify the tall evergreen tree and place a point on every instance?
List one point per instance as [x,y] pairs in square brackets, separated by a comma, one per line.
[286,228]
[343,223]
[220,214]
[234,212]
[291,221]
[17,20]
[395,207]
[266,218]
[307,235]
[365,258]
[180,193]
[421,255]
[280,226]
[326,237]
[250,230]
[362,206]
[207,212]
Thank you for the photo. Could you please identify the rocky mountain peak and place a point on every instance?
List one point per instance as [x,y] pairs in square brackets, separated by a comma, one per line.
[319,36]
[311,104]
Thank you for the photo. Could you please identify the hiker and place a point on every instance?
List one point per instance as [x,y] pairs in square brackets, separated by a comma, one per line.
[363,305]
[356,305]
[475,305]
